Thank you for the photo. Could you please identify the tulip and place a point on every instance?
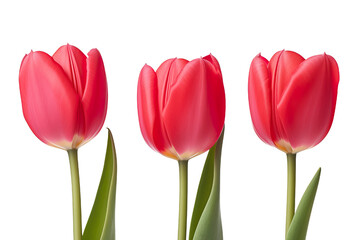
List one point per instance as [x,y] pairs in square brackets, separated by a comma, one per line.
[292,105]
[64,97]
[181,106]
[292,100]
[181,111]
[64,101]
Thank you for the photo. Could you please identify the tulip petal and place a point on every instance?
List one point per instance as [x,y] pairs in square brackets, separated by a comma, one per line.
[95,98]
[260,98]
[73,62]
[195,111]
[149,115]
[162,76]
[307,106]
[213,61]
[166,77]
[281,66]
[50,104]
[148,109]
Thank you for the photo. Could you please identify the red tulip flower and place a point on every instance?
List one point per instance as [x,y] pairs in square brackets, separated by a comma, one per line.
[181,106]
[181,110]
[292,105]
[64,100]
[64,97]
[292,100]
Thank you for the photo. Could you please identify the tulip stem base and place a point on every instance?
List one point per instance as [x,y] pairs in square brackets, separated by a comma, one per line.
[291,181]
[75,182]
[183,173]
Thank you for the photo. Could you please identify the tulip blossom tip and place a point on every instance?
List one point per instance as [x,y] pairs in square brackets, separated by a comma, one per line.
[93,49]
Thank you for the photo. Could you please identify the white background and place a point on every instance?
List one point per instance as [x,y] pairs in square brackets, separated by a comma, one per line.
[35,190]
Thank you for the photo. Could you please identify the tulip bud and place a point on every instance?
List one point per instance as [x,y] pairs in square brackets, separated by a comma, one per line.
[181,106]
[64,97]
[292,100]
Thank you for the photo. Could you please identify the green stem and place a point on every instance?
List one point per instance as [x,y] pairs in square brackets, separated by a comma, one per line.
[75,182]
[291,181]
[183,173]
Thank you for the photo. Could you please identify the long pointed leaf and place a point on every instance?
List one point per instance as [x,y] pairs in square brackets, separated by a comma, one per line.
[206,218]
[299,225]
[101,223]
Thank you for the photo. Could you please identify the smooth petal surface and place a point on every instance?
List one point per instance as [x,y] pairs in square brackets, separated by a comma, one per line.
[213,61]
[148,111]
[95,98]
[50,104]
[308,104]
[166,77]
[195,111]
[260,98]
[281,67]
[73,62]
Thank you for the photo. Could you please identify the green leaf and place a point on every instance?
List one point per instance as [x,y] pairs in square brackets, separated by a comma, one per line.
[299,225]
[206,218]
[101,223]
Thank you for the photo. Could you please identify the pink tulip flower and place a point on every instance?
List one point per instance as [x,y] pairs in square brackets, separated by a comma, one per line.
[64,97]
[292,100]
[181,106]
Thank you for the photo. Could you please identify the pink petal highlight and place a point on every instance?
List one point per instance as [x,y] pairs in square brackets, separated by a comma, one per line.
[308,105]
[95,98]
[260,98]
[50,104]
[73,62]
[167,74]
[195,111]
[213,61]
